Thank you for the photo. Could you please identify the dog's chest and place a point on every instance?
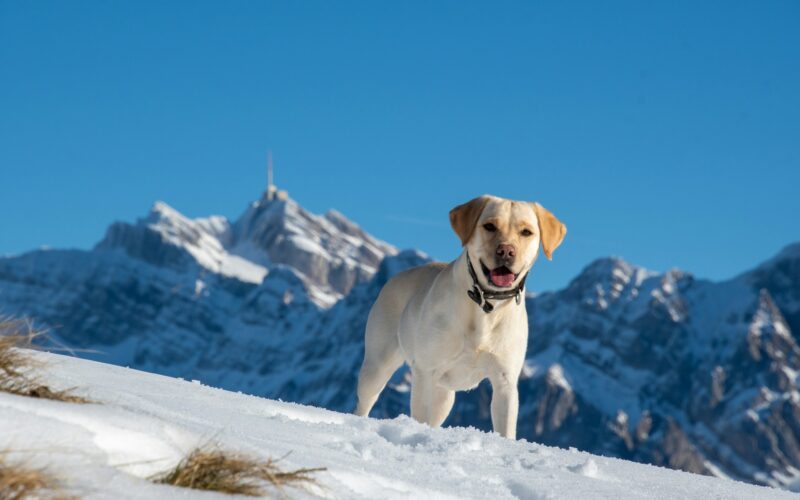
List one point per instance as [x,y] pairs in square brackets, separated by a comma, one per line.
[469,367]
[464,373]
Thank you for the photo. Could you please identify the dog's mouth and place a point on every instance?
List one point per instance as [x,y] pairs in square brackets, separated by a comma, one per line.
[501,277]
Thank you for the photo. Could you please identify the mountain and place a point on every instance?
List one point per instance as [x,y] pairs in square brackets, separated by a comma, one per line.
[661,368]
[672,370]
[329,253]
[198,298]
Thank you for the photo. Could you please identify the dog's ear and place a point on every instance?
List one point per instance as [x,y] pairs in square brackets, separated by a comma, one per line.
[551,229]
[464,217]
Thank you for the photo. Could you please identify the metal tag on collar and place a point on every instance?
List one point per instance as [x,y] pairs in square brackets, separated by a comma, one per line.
[518,296]
[476,294]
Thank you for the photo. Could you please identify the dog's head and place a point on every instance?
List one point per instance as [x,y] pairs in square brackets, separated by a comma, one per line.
[503,237]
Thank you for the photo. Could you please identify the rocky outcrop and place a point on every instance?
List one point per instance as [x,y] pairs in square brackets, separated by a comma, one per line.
[330,251]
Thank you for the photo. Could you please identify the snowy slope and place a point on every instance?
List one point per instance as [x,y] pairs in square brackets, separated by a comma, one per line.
[145,423]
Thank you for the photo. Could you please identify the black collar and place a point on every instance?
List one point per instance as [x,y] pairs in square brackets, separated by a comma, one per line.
[481,296]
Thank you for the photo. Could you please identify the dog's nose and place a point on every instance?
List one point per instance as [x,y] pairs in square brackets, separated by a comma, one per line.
[506,252]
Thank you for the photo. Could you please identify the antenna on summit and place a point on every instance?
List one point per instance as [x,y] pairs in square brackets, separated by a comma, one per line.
[272,192]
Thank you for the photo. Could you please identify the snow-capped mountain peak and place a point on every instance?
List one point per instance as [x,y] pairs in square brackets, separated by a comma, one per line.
[167,237]
[329,252]
[609,280]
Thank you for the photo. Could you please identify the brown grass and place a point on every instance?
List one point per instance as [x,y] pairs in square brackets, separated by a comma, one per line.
[227,472]
[19,482]
[17,367]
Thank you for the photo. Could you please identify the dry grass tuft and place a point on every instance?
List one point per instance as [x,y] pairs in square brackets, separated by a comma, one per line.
[18,482]
[17,366]
[234,473]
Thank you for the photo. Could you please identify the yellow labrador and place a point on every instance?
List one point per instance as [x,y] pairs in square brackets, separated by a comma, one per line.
[459,323]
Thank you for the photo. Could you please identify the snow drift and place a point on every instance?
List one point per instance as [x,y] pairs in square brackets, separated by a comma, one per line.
[144,424]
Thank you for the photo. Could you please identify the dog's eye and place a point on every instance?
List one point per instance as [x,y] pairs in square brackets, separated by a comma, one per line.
[490,227]
[526,232]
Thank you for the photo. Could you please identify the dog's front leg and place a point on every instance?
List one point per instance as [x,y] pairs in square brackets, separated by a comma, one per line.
[420,395]
[505,405]
[430,403]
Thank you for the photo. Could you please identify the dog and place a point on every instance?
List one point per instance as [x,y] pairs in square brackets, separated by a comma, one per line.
[457,324]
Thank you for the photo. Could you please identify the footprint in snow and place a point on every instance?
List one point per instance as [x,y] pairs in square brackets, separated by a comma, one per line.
[588,468]
[359,449]
[526,492]
[523,463]
[397,435]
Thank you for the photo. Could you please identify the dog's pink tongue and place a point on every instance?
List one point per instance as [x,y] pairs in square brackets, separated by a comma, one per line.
[502,278]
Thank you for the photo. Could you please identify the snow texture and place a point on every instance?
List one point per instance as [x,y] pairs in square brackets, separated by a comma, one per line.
[144,424]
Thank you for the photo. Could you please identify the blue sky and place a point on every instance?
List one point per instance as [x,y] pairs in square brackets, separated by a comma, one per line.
[668,134]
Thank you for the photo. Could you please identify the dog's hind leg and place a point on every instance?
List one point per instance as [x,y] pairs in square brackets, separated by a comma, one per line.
[373,378]
[382,357]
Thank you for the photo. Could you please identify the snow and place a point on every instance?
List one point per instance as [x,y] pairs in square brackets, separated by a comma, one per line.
[320,247]
[143,424]
[204,240]
[211,242]
[555,375]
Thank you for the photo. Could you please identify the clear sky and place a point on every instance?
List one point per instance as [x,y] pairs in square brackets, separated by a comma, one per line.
[667,133]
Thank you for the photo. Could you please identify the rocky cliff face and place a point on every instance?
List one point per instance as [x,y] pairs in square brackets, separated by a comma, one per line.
[660,368]
[328,252]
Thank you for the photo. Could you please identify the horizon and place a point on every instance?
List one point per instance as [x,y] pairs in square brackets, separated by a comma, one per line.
[665,135]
